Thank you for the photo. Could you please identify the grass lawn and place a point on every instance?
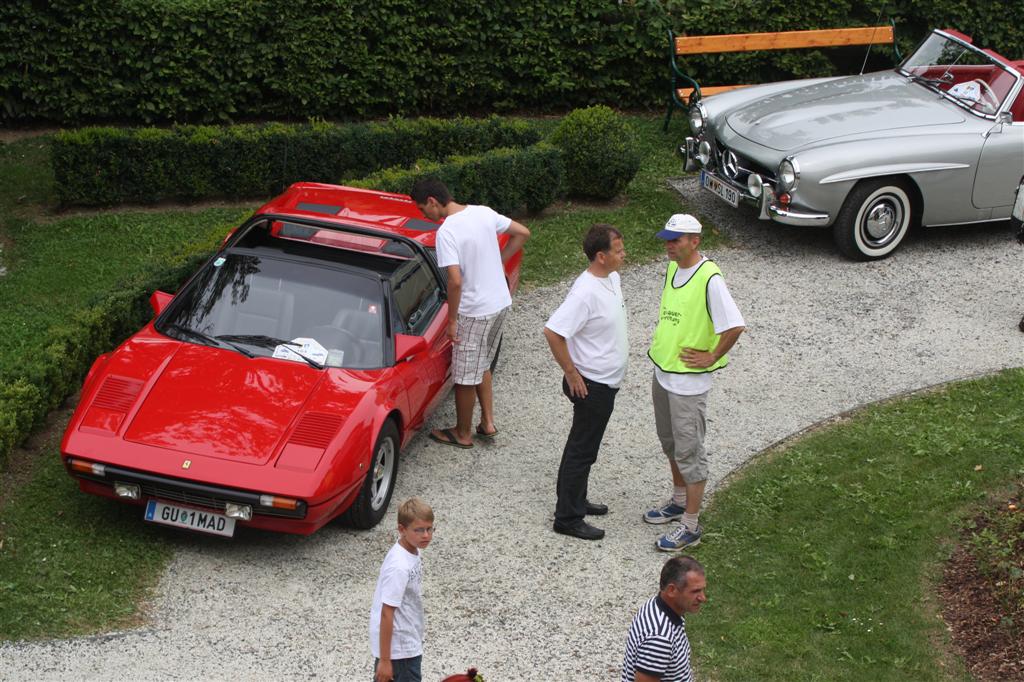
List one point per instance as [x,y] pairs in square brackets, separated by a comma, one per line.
[823,554]
[71,562]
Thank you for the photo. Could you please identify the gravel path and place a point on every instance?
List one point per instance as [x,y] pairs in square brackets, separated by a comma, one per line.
[502,591]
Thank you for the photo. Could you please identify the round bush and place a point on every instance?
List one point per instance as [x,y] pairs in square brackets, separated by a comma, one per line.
[599,150]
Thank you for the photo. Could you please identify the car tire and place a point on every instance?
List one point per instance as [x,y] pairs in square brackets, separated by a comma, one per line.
[379,484]
[874,219]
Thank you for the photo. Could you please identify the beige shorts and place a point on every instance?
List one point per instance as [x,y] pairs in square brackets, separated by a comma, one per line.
[478,341]
[681,421]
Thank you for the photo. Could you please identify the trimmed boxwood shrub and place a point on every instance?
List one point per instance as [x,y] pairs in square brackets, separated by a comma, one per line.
[507,180]
[104,166]
[600,152]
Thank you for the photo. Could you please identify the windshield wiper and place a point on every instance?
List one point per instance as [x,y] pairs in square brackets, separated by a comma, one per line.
[264,341]
[210,340]
[933,82]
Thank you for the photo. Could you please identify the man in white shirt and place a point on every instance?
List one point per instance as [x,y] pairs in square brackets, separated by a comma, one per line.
[698,322]
[587,336]
[478,296]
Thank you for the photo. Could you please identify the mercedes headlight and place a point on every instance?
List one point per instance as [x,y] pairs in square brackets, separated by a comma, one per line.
[698,115]
[788,175]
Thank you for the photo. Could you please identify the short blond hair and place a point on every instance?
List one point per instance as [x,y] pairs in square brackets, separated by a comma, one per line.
[414,509]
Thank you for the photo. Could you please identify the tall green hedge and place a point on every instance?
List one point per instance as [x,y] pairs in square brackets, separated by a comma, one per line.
[106,166]
[145,61]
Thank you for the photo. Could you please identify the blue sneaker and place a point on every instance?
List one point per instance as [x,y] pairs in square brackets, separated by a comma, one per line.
[681,538]
[670,511]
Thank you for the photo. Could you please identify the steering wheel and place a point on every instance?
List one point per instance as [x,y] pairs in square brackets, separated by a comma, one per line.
[988,94]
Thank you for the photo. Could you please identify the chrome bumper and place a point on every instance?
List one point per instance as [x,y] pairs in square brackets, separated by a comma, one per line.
[771,210]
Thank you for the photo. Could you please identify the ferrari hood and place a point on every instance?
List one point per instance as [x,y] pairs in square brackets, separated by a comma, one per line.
[840,108]
[221,404]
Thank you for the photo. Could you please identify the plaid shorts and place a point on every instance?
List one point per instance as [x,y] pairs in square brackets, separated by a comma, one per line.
[478,341]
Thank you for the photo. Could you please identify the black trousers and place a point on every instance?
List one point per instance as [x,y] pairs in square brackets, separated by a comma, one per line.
[589,418]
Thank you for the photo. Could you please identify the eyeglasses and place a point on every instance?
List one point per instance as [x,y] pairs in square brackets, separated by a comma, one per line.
[425,530]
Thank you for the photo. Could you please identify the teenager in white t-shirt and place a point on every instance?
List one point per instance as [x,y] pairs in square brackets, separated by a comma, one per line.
[587,336]
[396,615]
[478,295]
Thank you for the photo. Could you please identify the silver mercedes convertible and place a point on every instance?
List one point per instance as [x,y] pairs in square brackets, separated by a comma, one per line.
[938,140]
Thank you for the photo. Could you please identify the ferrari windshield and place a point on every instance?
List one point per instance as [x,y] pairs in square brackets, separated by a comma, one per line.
[292,309]
[960,72]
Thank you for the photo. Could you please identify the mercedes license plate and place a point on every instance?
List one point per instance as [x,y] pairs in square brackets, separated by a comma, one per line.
[186,517]
[724,191]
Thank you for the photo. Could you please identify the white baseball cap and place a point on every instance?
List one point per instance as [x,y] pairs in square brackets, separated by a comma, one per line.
[678,225]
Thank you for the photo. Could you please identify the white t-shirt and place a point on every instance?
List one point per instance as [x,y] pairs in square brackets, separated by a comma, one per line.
[724,316]
[469,239]
[592,319]
[398,585]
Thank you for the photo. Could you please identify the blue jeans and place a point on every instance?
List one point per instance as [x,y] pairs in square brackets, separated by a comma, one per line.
[404,669]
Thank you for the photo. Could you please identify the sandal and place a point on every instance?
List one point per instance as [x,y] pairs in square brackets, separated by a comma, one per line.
[449,439]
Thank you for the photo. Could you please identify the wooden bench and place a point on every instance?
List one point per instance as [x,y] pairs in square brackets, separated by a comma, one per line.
[685,89]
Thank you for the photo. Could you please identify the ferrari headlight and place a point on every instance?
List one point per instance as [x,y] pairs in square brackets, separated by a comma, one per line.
[704,152]
[126,490]
[698,116]
[238,511]
[788,175]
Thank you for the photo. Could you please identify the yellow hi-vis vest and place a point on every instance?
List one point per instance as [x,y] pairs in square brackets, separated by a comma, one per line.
[684,321]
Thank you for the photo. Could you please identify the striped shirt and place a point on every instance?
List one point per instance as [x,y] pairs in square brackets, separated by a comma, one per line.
[657,644]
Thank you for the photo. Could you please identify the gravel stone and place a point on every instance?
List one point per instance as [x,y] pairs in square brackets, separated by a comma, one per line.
[502,591]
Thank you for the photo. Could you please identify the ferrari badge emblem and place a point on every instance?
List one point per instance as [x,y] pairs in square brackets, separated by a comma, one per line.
[186,464]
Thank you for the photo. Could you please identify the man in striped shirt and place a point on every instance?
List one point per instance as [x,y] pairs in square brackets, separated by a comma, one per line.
[657,647]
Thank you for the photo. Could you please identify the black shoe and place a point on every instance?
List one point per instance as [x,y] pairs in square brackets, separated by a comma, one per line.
[1021,325]
[580,529]
[596,509]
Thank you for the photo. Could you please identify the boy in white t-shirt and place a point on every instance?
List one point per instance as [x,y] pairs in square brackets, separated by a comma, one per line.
[587,336]
[396,616]
[478,296]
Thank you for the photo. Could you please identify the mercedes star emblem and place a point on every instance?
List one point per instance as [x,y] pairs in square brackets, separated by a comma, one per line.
[730,165]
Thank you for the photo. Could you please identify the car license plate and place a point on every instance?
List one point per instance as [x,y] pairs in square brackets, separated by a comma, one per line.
[724,191]
[193,519]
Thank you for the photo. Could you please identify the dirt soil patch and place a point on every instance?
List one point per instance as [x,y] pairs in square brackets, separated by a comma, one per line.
[991,649]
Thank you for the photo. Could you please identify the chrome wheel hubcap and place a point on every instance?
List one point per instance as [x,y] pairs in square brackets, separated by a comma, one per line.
[383,470]
[882,221]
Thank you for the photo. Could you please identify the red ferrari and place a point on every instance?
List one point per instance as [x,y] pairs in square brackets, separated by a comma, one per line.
[278,386]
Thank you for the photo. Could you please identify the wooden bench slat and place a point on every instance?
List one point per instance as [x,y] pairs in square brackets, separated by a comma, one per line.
[746,42]
[684,93]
